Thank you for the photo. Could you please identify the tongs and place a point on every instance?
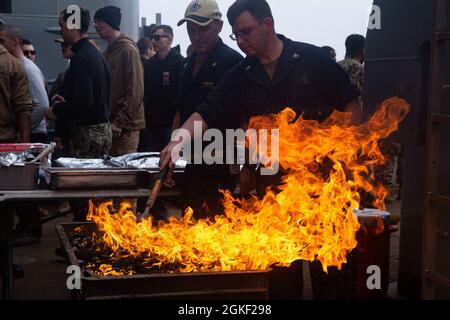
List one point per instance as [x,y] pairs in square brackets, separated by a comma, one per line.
[154,194]
[45,152]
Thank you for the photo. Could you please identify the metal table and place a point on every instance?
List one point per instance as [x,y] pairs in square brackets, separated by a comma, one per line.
[9,198]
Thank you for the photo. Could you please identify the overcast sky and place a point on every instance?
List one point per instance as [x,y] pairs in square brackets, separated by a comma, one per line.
[320,22]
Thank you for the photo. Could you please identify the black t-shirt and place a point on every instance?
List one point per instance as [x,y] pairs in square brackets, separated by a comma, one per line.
[86,87]
[305,79]
[161,85]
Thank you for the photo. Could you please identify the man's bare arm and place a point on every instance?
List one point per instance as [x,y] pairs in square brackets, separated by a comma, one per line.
[355,109]
[169,155]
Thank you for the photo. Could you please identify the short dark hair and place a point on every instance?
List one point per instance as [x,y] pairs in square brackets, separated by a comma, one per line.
[259,9]
[165,28]
[354,44]
[144,44]
[14,32]
[329,51]
[26,42]
[85,19]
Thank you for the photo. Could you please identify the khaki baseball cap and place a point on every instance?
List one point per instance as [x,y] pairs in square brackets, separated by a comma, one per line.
[202,12]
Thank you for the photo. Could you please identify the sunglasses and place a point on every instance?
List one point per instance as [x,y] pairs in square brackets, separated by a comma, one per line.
[29,52]
[157,37]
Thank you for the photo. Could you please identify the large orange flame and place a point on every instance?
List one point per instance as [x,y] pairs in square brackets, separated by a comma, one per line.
[311,216]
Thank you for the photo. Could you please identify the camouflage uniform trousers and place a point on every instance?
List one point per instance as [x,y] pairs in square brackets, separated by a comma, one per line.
[390,173]
[91,142]
[127,143]
[387,173]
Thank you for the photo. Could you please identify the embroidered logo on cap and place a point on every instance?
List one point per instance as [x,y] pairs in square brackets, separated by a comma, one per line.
[195,7]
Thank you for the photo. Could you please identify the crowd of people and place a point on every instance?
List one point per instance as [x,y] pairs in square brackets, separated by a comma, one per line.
[134,96]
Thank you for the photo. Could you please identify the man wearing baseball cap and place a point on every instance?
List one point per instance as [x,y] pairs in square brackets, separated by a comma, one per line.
[202,12]
[276,73]
[205,68]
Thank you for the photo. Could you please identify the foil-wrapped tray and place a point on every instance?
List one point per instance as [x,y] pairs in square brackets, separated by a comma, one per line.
[18,154]
[145,161]
[132,171]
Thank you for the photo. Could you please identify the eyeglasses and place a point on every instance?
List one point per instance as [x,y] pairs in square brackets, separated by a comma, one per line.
[244,33]
[157,37]
[29,52]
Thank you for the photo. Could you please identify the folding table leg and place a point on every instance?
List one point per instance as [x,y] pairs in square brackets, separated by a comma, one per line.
[7,253]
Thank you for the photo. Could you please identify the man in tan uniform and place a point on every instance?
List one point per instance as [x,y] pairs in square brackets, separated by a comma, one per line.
[15,120]
[15,99]
[127,82]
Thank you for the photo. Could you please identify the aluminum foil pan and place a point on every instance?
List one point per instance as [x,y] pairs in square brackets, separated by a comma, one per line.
[81,163]
[370,217]
[19,158]
[146,161]
[15,159]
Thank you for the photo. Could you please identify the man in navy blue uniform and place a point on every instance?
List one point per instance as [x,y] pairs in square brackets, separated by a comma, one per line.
[203,71]
[277,73]
[161,84]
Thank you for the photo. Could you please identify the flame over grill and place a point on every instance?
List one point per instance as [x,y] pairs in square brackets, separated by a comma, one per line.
[326,166]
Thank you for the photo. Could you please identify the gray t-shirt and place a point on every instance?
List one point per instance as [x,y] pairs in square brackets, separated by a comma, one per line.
[38,94]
